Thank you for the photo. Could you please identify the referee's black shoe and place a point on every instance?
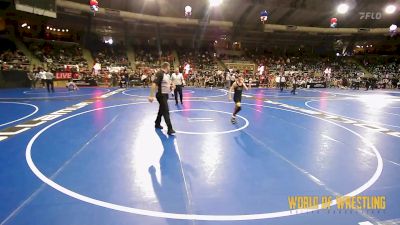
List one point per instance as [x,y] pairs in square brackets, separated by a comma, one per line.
[171,132]
[158,127]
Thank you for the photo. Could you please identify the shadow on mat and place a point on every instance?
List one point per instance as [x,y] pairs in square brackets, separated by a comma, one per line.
[170,191]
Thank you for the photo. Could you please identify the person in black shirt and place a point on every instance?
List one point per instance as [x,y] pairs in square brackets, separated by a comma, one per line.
[237,89]
[357,82]
[294,86]
[373,83]
[367,84]
[282,82]
[162,83]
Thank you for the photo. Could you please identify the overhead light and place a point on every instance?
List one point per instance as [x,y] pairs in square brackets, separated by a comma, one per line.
[58,30]
[67,30]
[47,28]
[24,25]
[215,2]
[29,27]
[109,41]
[62,30]
[188,11]
[390,9]
[393,28]
[343,8]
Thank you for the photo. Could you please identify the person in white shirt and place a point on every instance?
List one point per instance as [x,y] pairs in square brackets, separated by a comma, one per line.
[143,78]
[49,81]
[178,82]
[187,69]
[277,81]
[153,76]
[261,69]
[42,75]
[281,80]
[96,68]
[228,79]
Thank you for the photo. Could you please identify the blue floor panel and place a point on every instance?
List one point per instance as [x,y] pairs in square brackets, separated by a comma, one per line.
[106,164]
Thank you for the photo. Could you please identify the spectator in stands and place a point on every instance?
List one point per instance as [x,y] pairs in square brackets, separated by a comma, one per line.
[127,81]
[233,78]
[122,81]
[144,80]
[227,79]
[395,81]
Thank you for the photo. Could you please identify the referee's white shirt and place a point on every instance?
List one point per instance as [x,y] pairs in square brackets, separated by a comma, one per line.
[280,79]
[177,79]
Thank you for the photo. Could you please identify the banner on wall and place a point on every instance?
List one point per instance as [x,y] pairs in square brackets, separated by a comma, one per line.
[66,75]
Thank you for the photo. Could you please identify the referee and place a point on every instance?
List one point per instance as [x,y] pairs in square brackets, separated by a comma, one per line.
[162,83]
[49,81]
[178,82]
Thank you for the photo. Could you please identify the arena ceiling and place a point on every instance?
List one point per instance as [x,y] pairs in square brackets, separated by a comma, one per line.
[245,16]
[246,13]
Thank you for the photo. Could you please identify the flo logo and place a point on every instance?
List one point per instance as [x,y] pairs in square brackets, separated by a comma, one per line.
[370,15]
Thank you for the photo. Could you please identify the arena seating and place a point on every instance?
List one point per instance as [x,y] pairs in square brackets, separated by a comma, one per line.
[150,57]
[110,55]
[68,56]
[58,55]
[11,58]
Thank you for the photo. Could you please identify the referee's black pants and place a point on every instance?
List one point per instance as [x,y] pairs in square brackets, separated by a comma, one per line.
[50,85]
[281,85]
[357,86]
[163,110]
[178,90]
[294,89]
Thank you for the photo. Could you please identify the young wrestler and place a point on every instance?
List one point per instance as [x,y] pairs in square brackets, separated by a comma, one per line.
[71,86]
[237,89]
